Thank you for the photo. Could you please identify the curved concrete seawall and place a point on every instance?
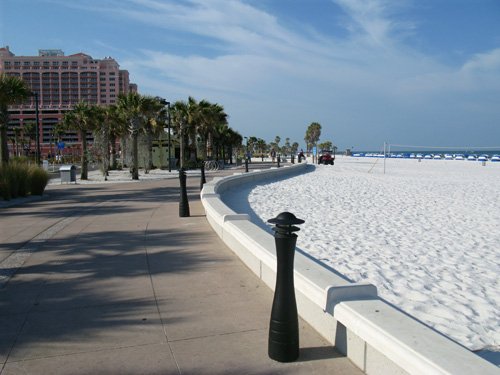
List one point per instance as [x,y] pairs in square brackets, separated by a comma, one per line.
[377,337]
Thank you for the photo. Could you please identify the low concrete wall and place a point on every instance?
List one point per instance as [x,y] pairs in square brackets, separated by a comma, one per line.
[377,337]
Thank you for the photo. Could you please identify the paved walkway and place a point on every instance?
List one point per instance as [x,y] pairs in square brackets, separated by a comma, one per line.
[107,279]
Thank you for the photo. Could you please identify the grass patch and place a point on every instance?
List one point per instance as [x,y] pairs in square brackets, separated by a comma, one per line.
[19,179]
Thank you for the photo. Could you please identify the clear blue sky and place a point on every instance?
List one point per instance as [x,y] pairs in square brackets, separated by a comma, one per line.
[417,72]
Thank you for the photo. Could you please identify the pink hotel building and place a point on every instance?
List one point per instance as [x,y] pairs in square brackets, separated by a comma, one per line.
[61,82]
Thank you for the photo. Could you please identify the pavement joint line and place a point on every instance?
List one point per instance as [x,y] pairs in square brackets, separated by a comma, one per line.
[151,280]
[219,334]
[86,351]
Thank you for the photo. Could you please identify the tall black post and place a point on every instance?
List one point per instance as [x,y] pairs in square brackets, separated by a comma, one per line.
[203,180]
[279,159]
[183,202]
[169,144]
[283,343]
[37,133]
[246,164]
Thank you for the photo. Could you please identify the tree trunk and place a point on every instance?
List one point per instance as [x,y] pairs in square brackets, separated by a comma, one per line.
[203,147]
[192,148]
[84,160]
[149,139]
[112,142]
[124,143]
[135,156]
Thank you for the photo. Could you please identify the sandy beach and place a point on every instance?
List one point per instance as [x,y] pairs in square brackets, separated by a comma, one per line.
[427,234]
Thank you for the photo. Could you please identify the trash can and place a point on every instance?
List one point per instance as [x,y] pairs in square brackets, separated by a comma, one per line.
[68,173]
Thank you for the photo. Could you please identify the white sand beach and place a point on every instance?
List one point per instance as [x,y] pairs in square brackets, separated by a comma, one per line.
[427,234]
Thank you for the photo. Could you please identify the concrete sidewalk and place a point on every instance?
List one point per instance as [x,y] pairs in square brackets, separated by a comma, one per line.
[107,279]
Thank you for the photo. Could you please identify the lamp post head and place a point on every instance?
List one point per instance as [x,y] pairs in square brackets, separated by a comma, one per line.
[285,222]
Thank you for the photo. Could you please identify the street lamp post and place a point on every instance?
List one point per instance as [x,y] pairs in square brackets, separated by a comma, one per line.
[37,130]
[168,125]
[246,154]
[167,103]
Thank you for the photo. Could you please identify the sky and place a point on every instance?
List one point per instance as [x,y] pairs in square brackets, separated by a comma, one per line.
[407,72]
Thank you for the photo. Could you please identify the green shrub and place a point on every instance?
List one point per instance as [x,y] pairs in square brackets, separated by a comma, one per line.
[21,171]
[13,179]
[38,179]
[4,184]
[19,160]
[18,179]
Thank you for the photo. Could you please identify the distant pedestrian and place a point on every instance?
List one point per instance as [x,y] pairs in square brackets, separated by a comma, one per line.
[301,156]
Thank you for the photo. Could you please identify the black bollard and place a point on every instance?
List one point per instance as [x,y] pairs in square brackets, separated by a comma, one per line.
[203,180]
[279,159]
[293,159]
[183,202]
[283,345]
[246,165]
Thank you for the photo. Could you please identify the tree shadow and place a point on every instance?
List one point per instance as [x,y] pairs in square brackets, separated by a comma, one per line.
[84,284]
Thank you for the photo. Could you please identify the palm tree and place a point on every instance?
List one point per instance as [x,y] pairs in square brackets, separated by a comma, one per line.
[287,147]
[82,118]
[155,119]
[212,116]
[180,117]
[312,134]
[261,145]
[28,132]
[218,139]
[232,139]
[194,118]
[115,128]
[252,143]
[131,107]
[12,90]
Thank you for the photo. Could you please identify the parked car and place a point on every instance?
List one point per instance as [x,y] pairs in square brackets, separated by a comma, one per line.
[325,157]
